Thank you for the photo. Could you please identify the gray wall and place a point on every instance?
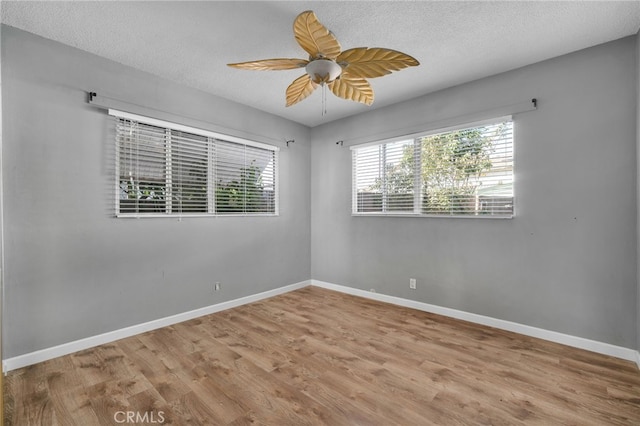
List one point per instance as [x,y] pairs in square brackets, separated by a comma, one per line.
[1,215]
[72,269]
[638,186]
[566,262]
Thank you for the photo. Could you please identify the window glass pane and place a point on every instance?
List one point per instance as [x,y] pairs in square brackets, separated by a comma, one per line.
[468,171]
[245,179]
[142,180]
[384,178]
[462,172]
[261,179]
[189,168]
[165,171]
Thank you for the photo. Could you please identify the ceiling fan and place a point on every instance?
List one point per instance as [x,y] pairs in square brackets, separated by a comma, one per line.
[345,73]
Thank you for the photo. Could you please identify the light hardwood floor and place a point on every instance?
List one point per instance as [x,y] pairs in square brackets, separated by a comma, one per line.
[314,356]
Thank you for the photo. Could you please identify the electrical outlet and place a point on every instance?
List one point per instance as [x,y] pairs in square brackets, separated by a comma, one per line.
[216,286]
[412,283]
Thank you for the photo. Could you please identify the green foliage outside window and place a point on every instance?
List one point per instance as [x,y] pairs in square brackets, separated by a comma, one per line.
[451,166]
[243,195]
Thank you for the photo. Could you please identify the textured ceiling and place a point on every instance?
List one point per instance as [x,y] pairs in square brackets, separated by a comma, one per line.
[456,42]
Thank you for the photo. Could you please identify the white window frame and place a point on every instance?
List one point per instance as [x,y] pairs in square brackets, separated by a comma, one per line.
[212,137]
[417,203]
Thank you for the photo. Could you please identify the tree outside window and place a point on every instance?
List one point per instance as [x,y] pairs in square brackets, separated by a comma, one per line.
[444,174]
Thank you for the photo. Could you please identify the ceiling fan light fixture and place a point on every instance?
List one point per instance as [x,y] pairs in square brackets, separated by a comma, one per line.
[323,70]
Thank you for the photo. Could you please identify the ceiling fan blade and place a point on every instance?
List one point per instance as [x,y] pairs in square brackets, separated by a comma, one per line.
[352,88]
[314,38]
[301,87]
[373,62]
[271,64]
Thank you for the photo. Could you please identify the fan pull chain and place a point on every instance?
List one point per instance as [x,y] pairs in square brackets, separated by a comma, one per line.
[324,100]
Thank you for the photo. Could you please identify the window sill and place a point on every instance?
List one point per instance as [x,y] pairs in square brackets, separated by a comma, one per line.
[440,216]
[194,215]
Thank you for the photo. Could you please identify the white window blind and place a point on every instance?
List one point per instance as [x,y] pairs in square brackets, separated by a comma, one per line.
[466,171]
[245,178]
[171,170]
[384,177]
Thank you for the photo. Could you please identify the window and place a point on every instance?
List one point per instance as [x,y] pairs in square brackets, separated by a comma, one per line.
[467,171]
[164,169]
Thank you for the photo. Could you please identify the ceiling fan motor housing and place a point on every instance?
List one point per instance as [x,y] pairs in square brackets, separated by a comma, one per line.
[323,70]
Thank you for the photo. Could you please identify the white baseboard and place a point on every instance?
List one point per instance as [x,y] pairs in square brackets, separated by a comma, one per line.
[89,342]
[565,339]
